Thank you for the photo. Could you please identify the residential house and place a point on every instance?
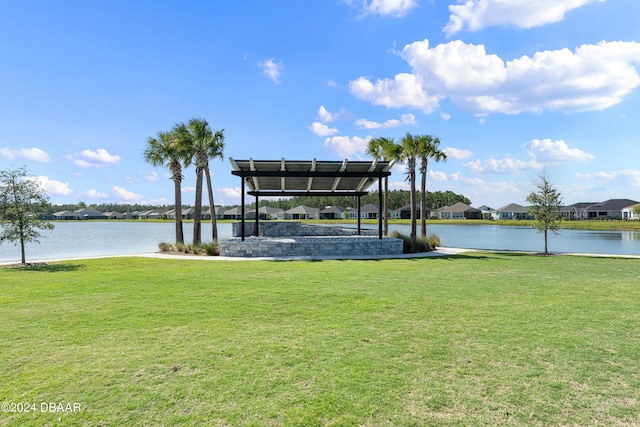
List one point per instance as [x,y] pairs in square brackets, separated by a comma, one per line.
[300,212]
[233,213]
[460,211]
[609,209]
[513,211]
[152,214]
[369,211]
[332,212]
[629,214]
[264,213]
[576,210]
[405,212]
[66,216]
[113,215]
[220,210]
[88,213]
[488,212]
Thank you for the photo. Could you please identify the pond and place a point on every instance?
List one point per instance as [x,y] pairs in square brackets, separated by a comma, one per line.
[100,238]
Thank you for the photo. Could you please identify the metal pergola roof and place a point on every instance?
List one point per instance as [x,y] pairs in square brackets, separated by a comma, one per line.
[284,178]
[309,177]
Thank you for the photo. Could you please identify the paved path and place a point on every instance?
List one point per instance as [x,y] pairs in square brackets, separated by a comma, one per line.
[438,252]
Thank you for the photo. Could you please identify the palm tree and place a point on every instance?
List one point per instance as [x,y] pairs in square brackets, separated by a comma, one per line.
[204,144]
[166,150]
[410,152]
[384,149]
[429,149]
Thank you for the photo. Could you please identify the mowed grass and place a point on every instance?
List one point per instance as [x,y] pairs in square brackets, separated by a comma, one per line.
[474,339]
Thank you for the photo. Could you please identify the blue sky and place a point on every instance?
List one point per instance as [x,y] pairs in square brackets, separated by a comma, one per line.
[509,86]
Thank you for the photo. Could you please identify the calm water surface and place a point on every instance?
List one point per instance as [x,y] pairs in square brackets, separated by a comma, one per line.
[79,239]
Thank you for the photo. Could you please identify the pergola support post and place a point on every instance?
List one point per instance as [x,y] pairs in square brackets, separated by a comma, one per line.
[358,205]
[242,208]
[257,216]
[380,208]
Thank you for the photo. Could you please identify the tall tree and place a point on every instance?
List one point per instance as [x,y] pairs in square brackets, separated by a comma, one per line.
[204,144]
[166,149]
[384,149]
[429,149]
[545,205]
[409,153]
[22,199]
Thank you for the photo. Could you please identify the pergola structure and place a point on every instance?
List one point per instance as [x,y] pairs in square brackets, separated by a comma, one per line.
[284,178]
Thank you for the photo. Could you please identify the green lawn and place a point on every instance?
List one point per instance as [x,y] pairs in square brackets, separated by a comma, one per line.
[476,339]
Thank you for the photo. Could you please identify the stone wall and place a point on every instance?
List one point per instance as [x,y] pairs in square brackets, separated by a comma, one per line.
[294,228]
[310,246]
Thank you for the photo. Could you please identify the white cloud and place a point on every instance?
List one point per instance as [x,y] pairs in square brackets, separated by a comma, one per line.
[98,158]
[234,193]
[501,166]
[189,189]
[553,151]
[153,176]
[331,83]
[395,8]
[596,175]
[54,188]
[405,119]
[593,77]
[405,90]
[95,194]
[127,195]
[445,116]
[456,153]
[34,153]
[325,116]
[345,147]
[475,15]
[271,69]
[438,176]
[322,130]
[398,185]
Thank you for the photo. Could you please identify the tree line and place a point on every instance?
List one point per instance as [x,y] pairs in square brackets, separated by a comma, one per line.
[396,199]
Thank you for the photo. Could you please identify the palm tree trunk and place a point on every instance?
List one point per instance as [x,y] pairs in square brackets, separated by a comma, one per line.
[197,215]
[423,201]
[412,179]
[212,207]
[546,252]
[178,199]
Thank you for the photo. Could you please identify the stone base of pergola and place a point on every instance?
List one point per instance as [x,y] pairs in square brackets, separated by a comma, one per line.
[311,246]
[292,239]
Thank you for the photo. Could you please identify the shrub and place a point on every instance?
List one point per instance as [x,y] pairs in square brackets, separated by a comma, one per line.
[434,240]
[181,247]
[412,246]
[211,248]
[165,247]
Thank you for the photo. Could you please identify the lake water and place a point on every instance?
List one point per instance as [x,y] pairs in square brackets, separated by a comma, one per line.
[79,239]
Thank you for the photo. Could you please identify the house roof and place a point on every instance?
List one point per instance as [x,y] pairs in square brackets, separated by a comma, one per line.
[369,208]
[302,209]
[458,207]
[66,213]
[513,207]
[612,205]
[314,177]
[333,209]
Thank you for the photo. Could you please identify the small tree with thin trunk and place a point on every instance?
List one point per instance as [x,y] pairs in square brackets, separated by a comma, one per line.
[22,199]
[545,205]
